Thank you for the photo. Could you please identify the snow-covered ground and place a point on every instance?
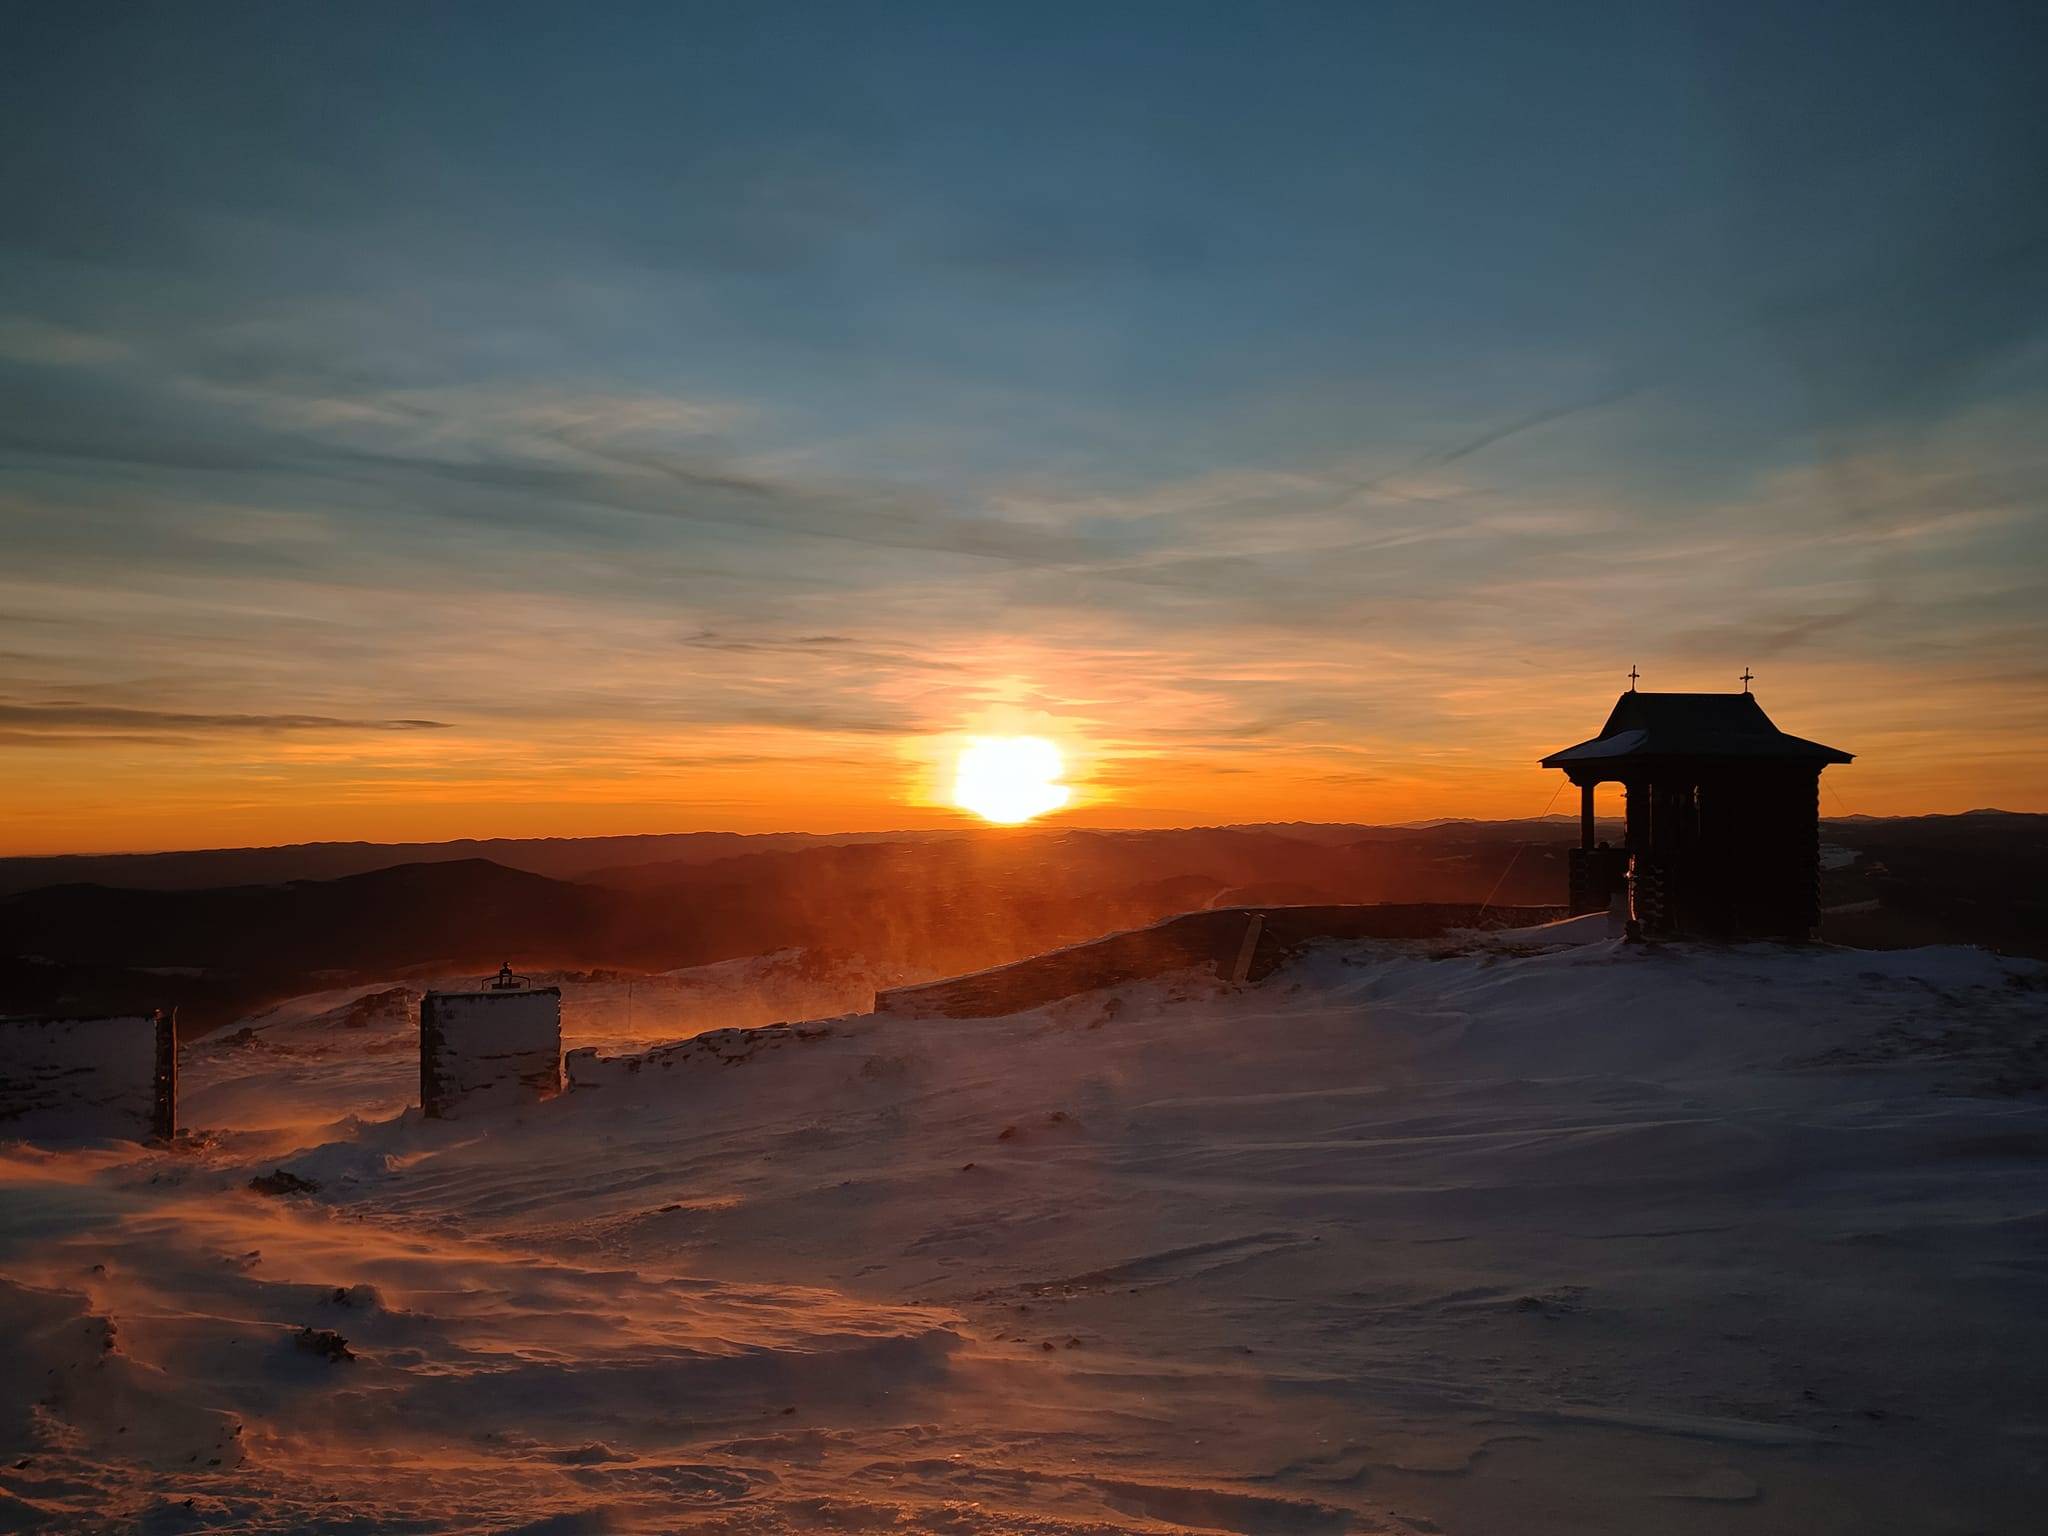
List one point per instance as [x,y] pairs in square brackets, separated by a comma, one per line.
[354,1051]
[1497,1237]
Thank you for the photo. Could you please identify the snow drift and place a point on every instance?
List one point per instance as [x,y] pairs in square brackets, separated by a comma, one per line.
[1493,1233]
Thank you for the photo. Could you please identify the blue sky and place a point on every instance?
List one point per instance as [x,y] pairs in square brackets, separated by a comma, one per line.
[1322,404]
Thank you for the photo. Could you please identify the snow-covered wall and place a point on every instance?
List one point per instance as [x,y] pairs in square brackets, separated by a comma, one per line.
[1236,943]
[89,1077]
[489,1048]
[1208,941]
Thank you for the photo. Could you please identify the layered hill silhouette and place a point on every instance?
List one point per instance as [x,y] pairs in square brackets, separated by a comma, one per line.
[926,904]
[562,858]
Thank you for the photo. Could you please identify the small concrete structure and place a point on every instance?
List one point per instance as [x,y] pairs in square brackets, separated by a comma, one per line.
[90,1077]
[499,1045]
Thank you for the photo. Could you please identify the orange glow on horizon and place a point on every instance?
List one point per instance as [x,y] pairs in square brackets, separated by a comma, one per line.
[1152,745]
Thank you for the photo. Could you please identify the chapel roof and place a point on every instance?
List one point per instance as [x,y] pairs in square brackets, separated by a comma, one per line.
[1698,725]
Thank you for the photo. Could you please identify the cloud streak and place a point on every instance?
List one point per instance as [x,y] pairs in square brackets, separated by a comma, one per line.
[82,717]
[714,446]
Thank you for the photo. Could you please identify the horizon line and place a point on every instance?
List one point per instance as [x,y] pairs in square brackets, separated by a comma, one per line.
[1048,824]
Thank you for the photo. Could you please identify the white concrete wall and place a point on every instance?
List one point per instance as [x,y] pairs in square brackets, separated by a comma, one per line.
[488,1049]
[78,1077]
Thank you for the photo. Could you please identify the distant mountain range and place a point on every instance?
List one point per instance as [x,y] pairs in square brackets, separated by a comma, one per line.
[561,858]
[218,932]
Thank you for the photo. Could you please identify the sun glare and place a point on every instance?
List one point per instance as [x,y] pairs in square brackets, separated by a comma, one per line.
[1009,779]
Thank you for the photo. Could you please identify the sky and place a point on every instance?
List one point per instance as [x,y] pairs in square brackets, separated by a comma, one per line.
[438,421]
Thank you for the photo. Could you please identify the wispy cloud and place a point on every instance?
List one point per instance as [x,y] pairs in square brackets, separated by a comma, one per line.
[74,718]
[714,445]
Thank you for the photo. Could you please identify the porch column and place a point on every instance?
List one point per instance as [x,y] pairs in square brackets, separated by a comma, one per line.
[1585,815]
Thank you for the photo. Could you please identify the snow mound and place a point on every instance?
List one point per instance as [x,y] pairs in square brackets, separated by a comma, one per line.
[1540,1234]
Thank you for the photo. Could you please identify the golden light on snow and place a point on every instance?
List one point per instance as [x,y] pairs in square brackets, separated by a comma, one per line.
[1008,779]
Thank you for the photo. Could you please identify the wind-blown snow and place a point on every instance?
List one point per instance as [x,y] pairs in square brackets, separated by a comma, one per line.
[354,1051]
[1499,1235]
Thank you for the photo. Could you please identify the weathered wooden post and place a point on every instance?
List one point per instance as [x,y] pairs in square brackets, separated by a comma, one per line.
[164,1105]
[1247,948]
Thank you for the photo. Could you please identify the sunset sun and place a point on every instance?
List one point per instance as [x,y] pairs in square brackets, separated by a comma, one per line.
[1009,779]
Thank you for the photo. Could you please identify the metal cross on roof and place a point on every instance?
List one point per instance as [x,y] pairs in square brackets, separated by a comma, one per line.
[1633,674]
[1748,677]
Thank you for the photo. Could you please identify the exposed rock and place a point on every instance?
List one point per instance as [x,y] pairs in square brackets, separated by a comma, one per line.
[282,1181]
[325,1343]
